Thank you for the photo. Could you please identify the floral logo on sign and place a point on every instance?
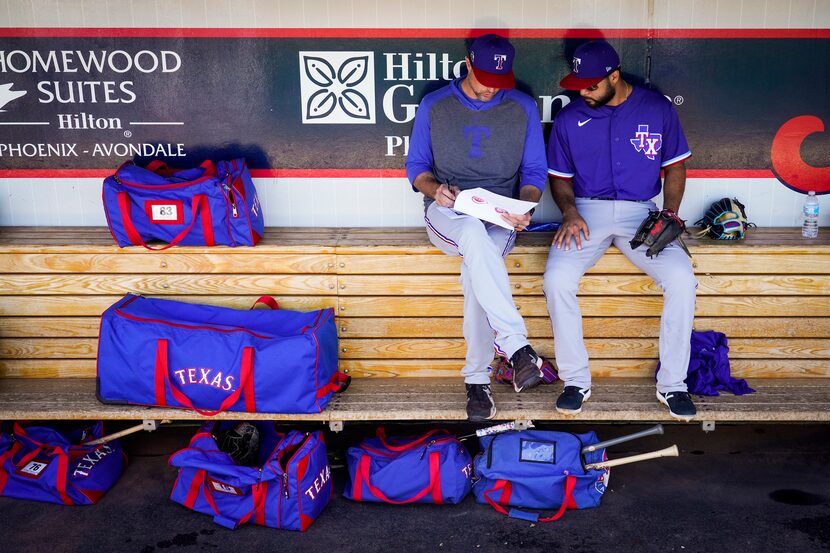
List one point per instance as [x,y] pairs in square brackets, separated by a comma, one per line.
[337,87]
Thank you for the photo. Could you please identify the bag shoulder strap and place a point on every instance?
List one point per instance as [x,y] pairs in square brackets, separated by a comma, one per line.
[504,499]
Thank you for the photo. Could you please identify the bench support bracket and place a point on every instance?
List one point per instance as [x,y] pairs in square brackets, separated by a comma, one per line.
[336,426]
[523,424]
[707,426]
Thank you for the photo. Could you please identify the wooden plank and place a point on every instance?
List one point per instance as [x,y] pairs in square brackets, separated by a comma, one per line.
[166,263]
[612,262]
[99,238]
[451,327]
[446,348]
[361,368]
[633,306]
[95,305]
[598,348]
[439,285]
[613,400]
[52,327]
[600,368]
[593,327]
[168,284]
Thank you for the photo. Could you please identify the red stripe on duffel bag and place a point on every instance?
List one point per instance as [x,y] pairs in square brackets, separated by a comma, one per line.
[4,476]
[434,480]
[246,377]
[134,236]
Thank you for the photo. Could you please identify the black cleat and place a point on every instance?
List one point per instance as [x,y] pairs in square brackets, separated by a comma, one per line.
[679,403]
[571,399]
[527,368]
[480,405]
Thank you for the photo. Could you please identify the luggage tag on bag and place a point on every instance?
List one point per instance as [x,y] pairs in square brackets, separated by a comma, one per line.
[33,469]
[165,212]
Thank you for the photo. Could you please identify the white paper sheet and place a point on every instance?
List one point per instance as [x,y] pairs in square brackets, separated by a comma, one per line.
[488,206]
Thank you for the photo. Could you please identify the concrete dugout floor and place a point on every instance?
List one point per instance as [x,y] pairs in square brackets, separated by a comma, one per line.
[740,488]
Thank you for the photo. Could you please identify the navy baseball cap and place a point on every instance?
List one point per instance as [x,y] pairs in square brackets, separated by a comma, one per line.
[492,59]
[592,62]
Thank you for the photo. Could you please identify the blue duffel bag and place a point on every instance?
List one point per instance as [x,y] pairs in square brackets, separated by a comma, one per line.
[212,359]
[433,468]
[287,483]
[209,205]
[43,463]
[538,470]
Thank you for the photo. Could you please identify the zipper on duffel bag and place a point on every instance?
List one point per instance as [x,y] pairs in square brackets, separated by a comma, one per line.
[120,313]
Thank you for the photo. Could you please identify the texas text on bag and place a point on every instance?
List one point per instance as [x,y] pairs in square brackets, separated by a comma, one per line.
[211,359]
[212,204]
[287,487]
[433,468]
[42,463]
[540,470]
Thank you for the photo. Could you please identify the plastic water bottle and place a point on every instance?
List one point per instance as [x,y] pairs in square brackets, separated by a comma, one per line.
[810,227]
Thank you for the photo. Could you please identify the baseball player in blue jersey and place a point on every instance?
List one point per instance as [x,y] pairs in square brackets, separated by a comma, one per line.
[478,131]
[605,155]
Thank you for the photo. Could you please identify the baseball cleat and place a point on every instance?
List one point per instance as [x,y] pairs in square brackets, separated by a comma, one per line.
[679,403]
[527,368]
[480,404]
[571,399]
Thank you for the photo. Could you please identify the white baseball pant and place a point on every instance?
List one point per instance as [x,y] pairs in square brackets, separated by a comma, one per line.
[616,222]
[490,316]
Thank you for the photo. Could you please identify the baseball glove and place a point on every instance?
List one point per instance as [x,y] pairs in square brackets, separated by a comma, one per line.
[658,230]
[724,220]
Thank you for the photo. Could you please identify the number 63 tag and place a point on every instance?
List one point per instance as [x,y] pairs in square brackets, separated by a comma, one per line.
[164,212]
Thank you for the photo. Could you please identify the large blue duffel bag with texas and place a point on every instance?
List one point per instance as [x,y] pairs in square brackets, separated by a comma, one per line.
[212,359]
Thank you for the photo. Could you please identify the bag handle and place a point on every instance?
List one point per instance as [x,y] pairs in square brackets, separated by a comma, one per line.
[200,482]
[338,382]
[381,434]
[505,487]
[246,383]
[160,167]
[362,476]
[45,449]
[9,454]
[267,301]
[197,201]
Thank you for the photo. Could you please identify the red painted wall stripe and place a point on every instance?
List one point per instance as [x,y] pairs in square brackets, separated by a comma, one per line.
[121,32]
[343,173]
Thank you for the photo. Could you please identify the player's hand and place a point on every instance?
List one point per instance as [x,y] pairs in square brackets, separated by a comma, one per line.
[572,225]
[445,195]
[518,222]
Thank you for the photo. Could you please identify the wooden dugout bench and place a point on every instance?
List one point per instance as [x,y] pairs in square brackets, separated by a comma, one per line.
[399,307]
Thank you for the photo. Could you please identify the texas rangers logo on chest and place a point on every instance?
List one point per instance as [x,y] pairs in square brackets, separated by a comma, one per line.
[647,142]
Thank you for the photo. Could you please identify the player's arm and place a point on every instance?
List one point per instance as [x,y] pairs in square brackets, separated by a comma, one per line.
[533,167]
[419,161]
[675,152]
[572,222]
[443,194]
[674,185]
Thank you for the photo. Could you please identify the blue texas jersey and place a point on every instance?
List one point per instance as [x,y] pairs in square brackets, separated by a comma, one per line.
[617,151]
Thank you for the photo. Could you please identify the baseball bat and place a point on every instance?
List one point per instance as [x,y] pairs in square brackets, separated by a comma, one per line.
[668,452]
[656,429]
[125,432]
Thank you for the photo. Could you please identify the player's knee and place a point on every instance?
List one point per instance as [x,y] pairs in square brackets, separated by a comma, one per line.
[560,281]
[679,281]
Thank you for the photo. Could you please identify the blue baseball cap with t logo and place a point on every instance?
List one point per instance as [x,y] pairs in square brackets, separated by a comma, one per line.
[492,59]
[592,62]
